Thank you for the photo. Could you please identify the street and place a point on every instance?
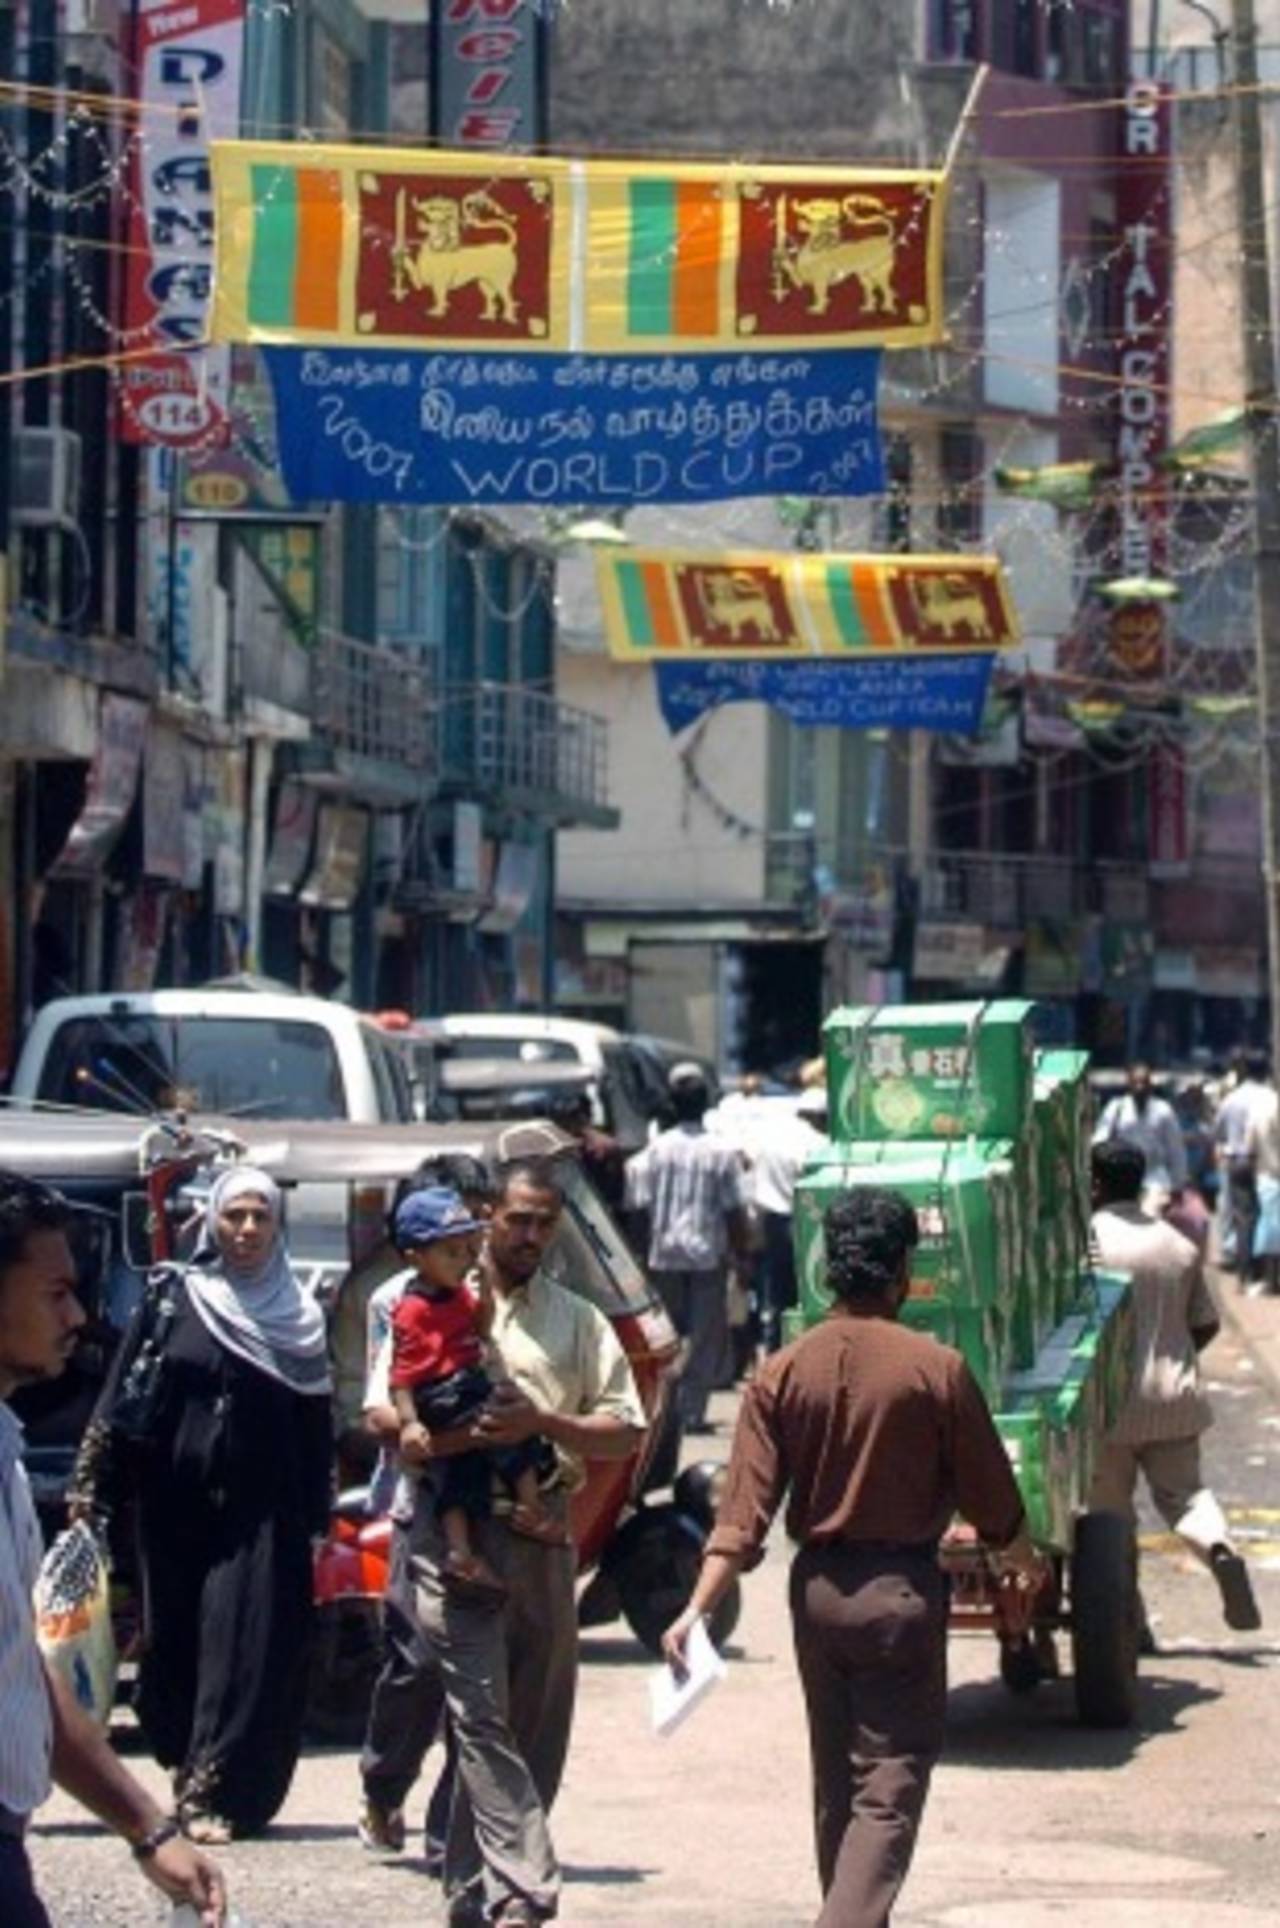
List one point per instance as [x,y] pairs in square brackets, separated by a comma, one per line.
[1032,1819]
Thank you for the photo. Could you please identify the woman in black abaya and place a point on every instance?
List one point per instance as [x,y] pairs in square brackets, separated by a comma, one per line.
[230,1464]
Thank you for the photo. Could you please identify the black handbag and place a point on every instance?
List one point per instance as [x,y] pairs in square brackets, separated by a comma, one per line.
[142,1386]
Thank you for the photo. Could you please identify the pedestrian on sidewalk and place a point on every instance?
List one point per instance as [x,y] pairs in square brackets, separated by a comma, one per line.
[691,1185]
[1236,1161]
[1138,1117]
[1263,1144]
[1158,1431]
[44,1736]
[875,1436]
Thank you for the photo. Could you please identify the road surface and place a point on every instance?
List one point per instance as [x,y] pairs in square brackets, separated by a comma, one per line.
[1033,1821]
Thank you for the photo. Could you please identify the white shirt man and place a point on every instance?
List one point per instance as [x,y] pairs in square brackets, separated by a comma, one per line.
[1140,1118]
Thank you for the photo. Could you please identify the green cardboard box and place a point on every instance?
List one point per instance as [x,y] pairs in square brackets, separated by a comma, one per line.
[930,1071]
[963,1197]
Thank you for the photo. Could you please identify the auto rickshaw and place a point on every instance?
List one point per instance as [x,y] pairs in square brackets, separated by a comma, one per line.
[147,1179]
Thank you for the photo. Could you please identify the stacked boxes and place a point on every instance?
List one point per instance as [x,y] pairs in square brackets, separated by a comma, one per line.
[950,1105]
[929,1071]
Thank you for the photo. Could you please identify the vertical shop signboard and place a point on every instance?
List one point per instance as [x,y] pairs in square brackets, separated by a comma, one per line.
[488,68]
[1143,273]
[188,62]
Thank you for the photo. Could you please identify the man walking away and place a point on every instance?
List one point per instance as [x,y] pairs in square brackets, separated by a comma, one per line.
[44,1735]
[1158,1432]
[789,1140]
[1237,1162]
[1139,1118]
[691,1185]
[875,1435]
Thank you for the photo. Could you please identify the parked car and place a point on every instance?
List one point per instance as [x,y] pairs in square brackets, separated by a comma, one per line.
[628,1073]
[243,1054]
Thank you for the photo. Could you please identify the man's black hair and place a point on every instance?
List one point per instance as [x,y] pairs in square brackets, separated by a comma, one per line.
[1257,1065]
[26,1207]
[1118,1172]
[690,1101]
[868,1232]
[539,1174]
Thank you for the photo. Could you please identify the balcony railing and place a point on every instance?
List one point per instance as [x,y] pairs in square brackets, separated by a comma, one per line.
[373,703]
[525,744]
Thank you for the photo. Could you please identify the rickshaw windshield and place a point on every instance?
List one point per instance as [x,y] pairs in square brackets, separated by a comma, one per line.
[589,1255]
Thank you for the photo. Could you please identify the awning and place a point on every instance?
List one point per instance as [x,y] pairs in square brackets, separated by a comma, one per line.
[113,784]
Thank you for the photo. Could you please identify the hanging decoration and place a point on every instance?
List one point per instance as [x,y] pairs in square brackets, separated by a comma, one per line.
[754,605]
[324,246]
[945,697]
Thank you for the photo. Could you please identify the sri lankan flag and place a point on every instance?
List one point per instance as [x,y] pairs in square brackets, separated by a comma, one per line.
[754,606]
[406,248]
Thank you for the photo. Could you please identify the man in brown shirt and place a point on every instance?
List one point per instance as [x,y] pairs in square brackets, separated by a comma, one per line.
[875,1436]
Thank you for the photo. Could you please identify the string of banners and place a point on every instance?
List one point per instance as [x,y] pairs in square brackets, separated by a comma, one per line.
[462,327]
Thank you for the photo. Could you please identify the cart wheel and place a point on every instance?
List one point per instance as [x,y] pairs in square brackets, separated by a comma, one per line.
[1105,1617]
[1019,1666]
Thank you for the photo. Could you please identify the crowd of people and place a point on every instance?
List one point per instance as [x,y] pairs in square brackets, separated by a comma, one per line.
[489,1388]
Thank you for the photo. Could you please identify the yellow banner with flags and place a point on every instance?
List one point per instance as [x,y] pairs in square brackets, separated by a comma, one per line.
[761,606]
[404,248]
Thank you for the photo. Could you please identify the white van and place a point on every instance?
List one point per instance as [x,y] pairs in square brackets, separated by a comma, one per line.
[629,1085]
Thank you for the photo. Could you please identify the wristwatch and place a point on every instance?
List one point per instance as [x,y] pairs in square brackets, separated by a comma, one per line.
[154,1838]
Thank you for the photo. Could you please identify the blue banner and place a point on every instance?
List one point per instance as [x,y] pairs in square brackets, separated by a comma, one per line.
[388,425]
[890,693]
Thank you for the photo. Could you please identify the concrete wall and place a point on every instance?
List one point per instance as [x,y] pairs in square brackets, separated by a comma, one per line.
[707,75]
[670,848]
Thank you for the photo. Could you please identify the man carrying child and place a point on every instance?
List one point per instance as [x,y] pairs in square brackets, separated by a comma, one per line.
[440,1382]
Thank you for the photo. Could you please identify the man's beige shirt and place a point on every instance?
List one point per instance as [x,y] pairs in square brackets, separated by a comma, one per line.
[560,1351]
[1170,1301]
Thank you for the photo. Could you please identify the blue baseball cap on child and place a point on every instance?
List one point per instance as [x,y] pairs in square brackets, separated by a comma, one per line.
[431,1214]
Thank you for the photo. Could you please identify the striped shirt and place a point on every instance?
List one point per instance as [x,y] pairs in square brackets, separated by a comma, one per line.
[1170,1302]
[689,1183]
[26,1724]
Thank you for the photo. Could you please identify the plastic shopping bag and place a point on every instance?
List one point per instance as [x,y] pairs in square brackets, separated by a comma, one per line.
[73,1618]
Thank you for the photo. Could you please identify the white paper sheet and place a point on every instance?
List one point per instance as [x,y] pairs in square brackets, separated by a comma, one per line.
[672,1701]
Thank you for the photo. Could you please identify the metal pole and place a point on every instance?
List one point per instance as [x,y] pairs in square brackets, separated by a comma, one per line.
[1261,403]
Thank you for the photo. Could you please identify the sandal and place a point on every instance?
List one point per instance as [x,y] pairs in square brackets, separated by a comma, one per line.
[536,1525]
[471,1579]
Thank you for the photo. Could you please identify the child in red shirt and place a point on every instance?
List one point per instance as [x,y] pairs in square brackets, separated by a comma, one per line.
[439,1383]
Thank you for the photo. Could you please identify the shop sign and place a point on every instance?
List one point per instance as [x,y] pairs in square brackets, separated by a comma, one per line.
[951,953]
[342,841]
[513,885]
[291,837]
[1144,290]
[113,784]
[488,68]
[1228,973]
[188,79]
[467,838]
[1169,812]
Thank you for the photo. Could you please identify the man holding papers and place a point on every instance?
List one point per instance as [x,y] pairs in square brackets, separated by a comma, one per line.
[874,1436]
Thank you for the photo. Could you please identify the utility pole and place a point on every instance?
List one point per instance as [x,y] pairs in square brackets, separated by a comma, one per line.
[1262,414]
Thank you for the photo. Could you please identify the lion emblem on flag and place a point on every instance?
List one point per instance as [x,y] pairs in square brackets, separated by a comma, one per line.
[455,243]
[852,238]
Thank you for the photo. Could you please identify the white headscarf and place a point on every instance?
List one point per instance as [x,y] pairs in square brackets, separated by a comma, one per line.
[261,1314]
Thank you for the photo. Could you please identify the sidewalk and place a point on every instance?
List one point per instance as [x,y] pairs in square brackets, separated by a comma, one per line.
[1257,1321]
